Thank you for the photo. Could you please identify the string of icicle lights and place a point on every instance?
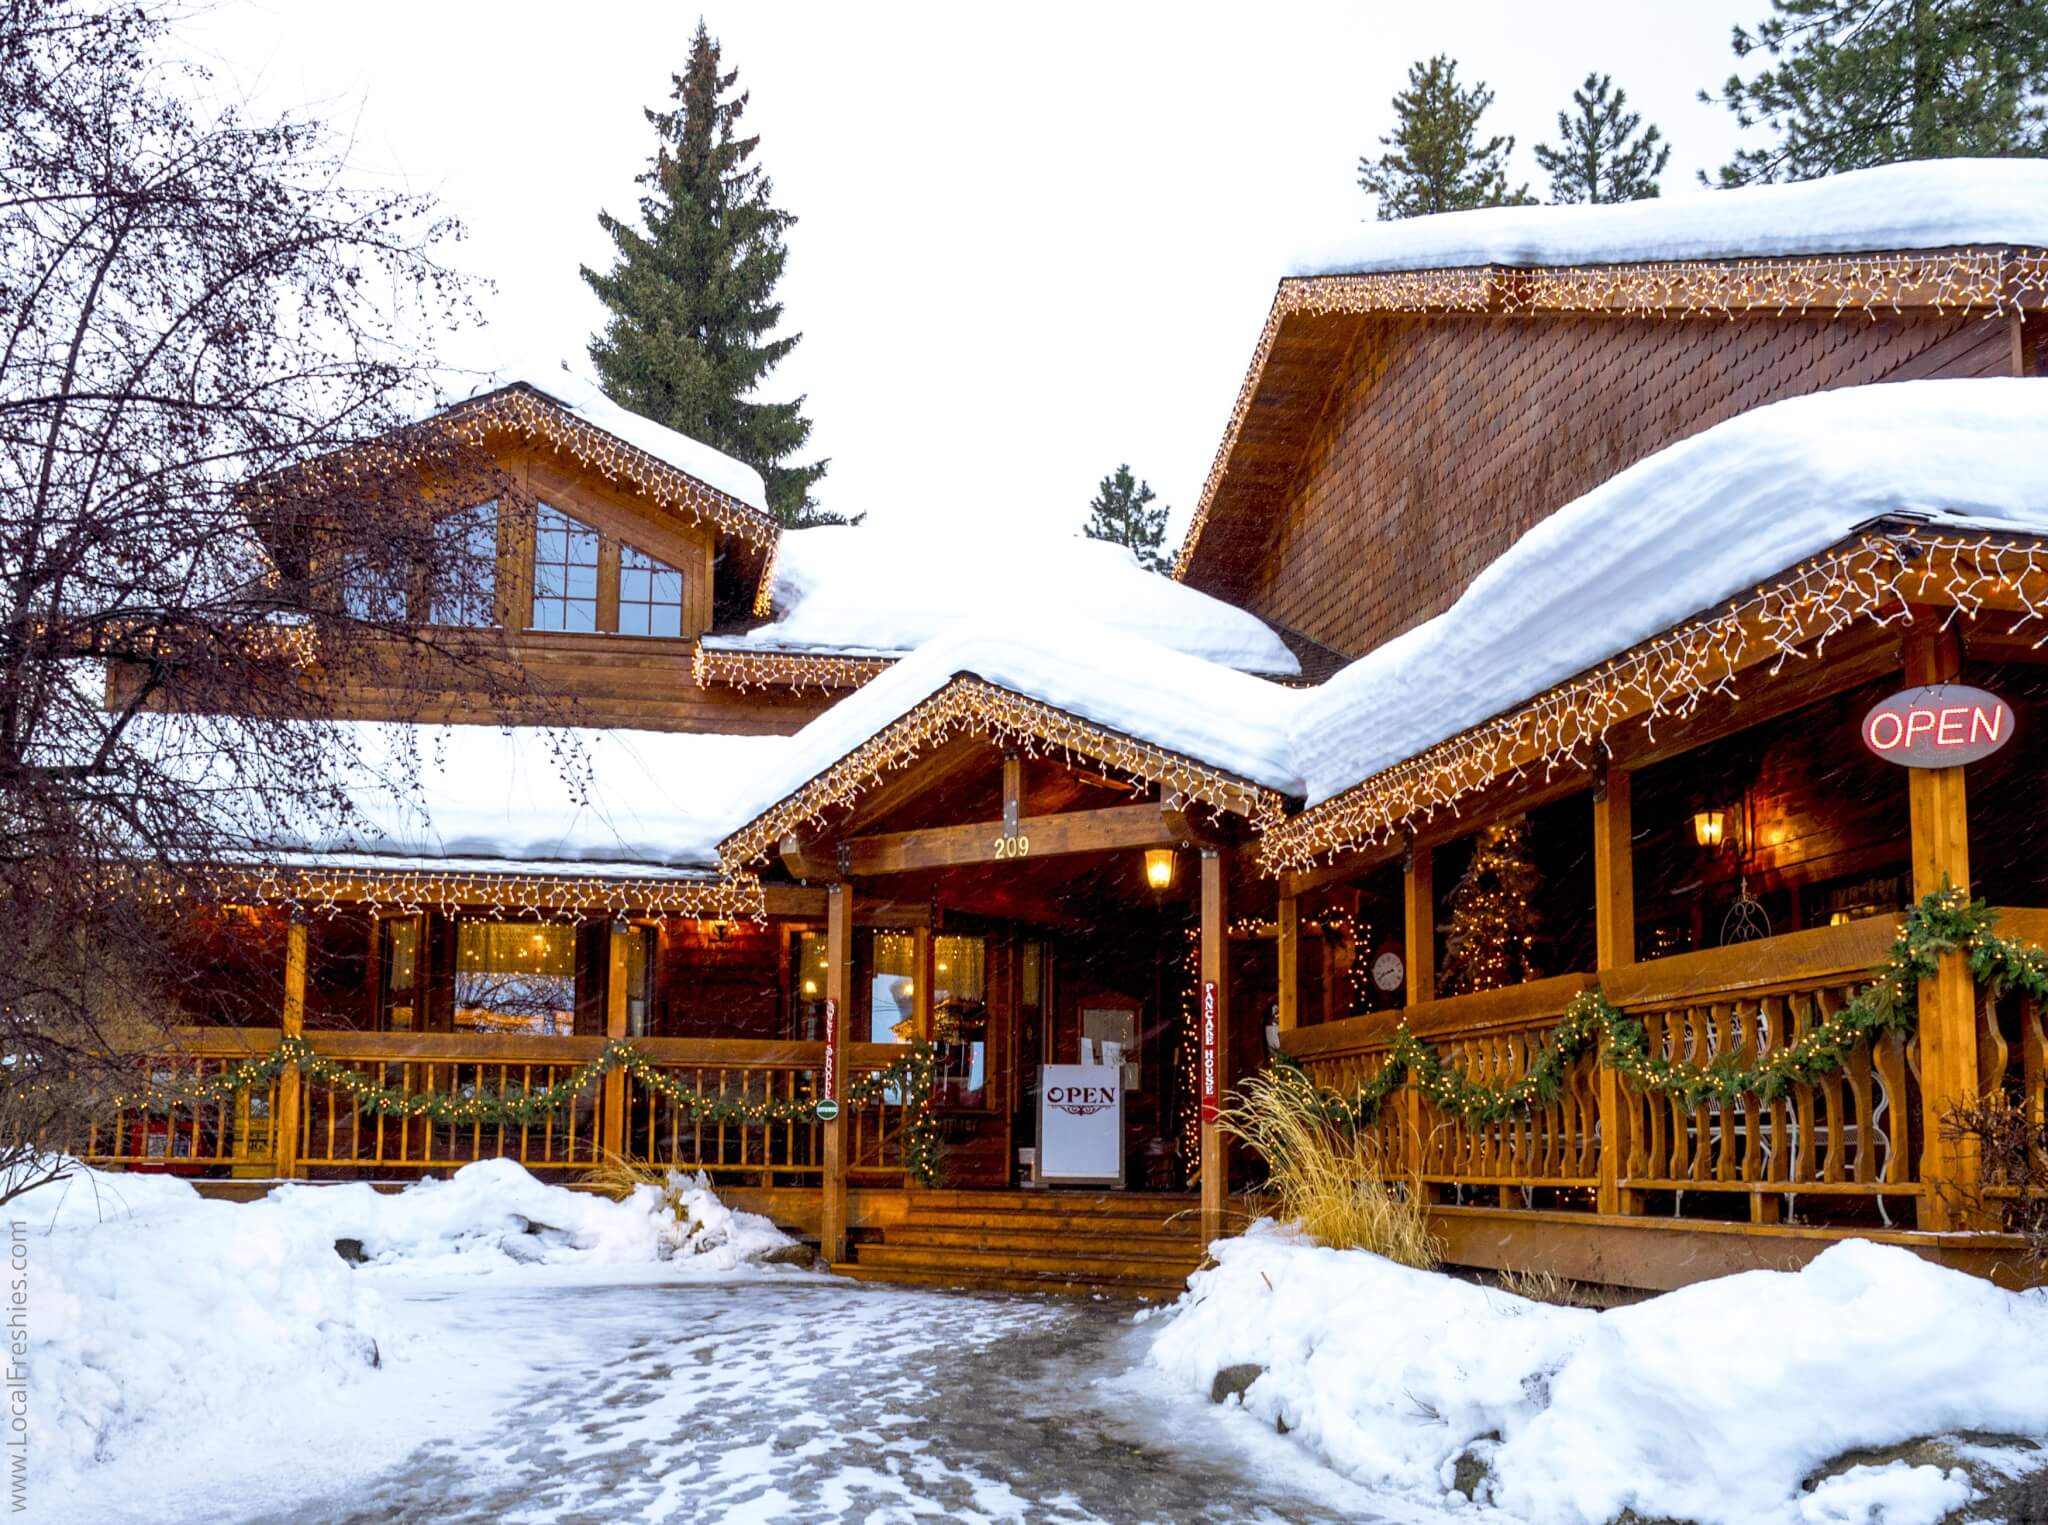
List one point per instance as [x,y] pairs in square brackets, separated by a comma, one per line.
[825,672]
[971,707]
[541,897]
[1994,282]
[1874,578]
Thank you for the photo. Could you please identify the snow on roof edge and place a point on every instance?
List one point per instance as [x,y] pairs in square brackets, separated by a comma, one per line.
[1930,204]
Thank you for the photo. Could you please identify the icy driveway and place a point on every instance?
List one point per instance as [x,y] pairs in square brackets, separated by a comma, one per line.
[809,1399]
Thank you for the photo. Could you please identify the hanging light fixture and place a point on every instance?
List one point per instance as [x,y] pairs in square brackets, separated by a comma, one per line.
[1710,827]
[1159,867]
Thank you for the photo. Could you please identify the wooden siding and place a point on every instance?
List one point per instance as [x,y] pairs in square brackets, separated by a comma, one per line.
[1447,438]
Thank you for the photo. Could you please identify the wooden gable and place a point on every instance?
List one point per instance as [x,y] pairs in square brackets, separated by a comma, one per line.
[1395,436]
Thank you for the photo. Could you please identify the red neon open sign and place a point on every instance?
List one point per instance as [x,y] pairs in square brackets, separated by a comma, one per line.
[1941,726]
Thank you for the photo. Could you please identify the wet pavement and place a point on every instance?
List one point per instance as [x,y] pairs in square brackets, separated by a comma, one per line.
[814,1400]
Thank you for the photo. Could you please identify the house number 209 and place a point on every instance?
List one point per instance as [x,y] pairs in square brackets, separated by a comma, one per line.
[1013,847]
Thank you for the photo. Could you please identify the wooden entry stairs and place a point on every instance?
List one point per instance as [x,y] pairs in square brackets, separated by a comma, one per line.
[1121,1244]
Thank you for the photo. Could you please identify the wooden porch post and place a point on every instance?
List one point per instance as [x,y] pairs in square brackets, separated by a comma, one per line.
[285,1125]
[1418,930]
[838,1016]
[1948,1002]
[1288,948]
[1215,1035]
[921,982]
[613,1117]
[1418,942]
[1614,922]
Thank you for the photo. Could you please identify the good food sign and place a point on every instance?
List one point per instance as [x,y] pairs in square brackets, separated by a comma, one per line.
[1941,726]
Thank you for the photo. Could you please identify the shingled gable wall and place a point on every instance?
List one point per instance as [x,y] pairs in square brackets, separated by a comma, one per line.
[1451,436]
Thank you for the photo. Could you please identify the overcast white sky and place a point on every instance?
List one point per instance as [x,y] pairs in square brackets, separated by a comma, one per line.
[1034,241]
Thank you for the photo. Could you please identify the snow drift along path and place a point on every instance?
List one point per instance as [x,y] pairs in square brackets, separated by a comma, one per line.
[172,1338]
[1713,1403]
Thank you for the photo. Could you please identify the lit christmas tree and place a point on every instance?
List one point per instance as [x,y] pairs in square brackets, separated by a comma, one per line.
[1493,925]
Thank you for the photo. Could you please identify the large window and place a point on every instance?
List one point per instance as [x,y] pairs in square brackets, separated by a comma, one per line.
[650,595]
[892,990]
[374,591]
[564,572]
[465,574]
[515,977]
[960,1021]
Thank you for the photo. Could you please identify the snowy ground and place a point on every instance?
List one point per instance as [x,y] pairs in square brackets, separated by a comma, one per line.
[505,1350]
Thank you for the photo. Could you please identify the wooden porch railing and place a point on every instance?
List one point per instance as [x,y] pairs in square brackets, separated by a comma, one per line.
[333,1135]
[1856,1134]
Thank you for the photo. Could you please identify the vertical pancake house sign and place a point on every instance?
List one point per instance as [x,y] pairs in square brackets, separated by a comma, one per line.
[1943,725]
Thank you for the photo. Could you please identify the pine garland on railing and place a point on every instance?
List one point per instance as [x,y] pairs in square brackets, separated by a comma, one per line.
[1945,921]
[911,1077]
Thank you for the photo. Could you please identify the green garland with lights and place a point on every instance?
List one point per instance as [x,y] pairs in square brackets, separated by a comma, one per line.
[1945,921]
[911,1077]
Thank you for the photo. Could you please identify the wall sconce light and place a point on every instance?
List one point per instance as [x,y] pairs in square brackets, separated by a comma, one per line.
[1710,827]
[1159,867]
[719,929]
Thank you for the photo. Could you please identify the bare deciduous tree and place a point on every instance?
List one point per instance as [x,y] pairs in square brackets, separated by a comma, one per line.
[216,520]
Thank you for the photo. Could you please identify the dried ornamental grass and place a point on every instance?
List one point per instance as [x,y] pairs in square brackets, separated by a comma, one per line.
[1327,1177]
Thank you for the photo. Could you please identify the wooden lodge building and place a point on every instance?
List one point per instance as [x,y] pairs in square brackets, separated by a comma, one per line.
[1589,535]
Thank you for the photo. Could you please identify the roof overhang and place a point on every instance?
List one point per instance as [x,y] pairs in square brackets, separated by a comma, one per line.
[1878,576]
[1315,321]
[972,706]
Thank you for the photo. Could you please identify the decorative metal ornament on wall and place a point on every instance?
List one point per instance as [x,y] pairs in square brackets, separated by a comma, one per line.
[1747,921]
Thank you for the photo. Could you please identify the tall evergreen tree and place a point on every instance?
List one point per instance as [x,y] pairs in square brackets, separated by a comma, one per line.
[1852,83]
[1435,161]
[1602,154]
[1122,511]
[691,290]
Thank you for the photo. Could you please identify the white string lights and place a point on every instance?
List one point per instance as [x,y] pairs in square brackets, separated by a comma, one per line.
[1873,578]
[826,672]
[970,707]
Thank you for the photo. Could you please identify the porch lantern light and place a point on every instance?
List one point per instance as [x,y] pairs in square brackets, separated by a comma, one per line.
[1159,867]
[1710,827]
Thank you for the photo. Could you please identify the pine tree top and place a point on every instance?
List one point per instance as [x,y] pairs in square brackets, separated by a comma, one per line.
[1435,161]
[1605,154]
[692,332]
[1853,83]
[1122,511]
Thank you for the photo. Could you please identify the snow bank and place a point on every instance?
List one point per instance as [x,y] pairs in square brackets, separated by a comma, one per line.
[581,395]
[1933,204]
[155,1314]
[1690,526]
[1712,1404]
[878,591]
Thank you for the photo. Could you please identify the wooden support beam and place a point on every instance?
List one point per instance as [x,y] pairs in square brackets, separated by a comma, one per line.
[1115,829]
[1287,948]
[1215,1037]
[1418,923]
[617,964]
[1948,1002]
[292,1020]
[1614,928]
[921,981]
[838,1019]
[1013,793]
[808,859]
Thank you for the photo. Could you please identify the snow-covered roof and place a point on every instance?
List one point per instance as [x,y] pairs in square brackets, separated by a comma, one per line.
[873,591]
[577,799]
[1681,531]
[1933,204]
[574,390]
